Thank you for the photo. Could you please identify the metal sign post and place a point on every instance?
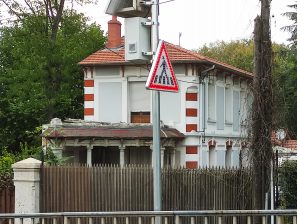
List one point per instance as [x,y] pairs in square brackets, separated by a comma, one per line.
[123,8]
[156,118]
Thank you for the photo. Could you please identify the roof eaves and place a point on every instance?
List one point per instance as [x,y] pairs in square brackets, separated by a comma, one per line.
[104,63]
[229,68]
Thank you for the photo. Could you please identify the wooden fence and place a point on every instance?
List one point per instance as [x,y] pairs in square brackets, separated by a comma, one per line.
[103,188]
[6,194]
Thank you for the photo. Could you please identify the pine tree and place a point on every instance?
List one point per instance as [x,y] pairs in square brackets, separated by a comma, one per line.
[292,15]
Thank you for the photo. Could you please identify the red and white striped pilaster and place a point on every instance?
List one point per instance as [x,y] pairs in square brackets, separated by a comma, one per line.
[192,156]
[191,112]
[89,96]
[192,121]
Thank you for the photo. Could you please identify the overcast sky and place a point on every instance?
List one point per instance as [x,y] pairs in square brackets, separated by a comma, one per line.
[205,21]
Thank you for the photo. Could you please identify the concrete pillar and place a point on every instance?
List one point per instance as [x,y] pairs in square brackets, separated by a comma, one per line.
[162,157]
[152,157]
[122,155]
[89,155]
[27,186]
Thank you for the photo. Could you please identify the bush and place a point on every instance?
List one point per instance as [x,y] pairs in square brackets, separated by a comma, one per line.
[6,160]
[288,184]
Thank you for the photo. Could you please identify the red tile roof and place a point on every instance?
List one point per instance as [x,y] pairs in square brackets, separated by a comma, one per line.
[105,57]
[291,144]
[176,54]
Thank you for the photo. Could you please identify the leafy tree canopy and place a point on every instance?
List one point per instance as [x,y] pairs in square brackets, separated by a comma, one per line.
[238,53]
[288,181]
[288,79]
[39,75]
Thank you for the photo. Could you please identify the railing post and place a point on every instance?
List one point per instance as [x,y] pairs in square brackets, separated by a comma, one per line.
[234,220]
[264,220]
[27,186]
[249,220]
[220,220]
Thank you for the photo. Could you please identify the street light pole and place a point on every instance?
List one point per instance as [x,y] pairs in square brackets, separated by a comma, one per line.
[156,117]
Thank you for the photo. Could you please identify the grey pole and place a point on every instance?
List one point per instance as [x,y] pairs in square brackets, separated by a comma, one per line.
[156,118]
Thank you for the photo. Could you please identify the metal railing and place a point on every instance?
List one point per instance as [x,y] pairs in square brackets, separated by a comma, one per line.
[167,217]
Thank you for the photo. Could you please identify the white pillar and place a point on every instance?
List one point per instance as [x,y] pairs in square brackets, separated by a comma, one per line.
[162,157]
[152,157]
[89,155]
[122,155]
[27,186]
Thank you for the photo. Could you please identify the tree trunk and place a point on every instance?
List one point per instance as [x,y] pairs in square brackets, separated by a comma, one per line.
[262,106]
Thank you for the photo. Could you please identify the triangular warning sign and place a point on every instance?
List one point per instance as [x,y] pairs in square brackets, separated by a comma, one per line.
[161,76]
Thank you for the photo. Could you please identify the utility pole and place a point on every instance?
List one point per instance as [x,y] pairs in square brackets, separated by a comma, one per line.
[262,108]
[156,117]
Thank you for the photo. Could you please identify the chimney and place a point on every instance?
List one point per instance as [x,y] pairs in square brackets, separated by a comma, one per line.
[114,33]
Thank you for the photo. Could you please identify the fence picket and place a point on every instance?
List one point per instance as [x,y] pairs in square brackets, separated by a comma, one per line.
[111,188]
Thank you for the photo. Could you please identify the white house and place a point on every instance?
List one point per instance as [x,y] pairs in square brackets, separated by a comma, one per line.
[202,125]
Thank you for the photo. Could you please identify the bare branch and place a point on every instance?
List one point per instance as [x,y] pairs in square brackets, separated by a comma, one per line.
[57,20]
[30,7]
[48,18]
[12,10]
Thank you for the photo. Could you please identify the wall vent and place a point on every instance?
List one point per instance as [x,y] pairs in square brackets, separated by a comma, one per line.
[132,48]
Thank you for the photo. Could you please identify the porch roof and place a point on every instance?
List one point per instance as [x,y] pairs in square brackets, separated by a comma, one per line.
[100,130]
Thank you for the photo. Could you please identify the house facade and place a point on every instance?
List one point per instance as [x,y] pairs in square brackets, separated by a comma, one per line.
[203,125]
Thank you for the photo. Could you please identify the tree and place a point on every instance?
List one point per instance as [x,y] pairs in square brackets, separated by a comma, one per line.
[293,27]
[262,116]
[238,53]
[288,91]
[287,80]
[288,181]
[52,10]
[39,77]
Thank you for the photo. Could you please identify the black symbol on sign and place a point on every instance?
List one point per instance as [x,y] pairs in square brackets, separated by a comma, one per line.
[163,78]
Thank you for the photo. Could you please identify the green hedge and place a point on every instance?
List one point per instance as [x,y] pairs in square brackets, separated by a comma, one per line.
[288,184]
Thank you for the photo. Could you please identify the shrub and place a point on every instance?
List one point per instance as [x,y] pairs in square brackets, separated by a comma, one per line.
[288,184]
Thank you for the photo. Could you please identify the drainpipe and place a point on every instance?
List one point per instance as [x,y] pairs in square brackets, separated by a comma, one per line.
[203,75]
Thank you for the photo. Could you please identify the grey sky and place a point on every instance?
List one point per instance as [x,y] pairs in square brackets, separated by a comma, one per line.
[206,21]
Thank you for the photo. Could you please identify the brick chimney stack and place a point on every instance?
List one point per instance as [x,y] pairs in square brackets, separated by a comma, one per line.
[114,33]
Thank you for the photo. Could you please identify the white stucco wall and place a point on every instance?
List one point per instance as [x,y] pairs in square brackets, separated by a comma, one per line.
[173,108]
